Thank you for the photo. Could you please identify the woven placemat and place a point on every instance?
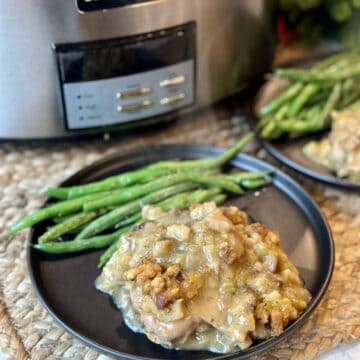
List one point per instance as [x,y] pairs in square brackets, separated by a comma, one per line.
[28,332]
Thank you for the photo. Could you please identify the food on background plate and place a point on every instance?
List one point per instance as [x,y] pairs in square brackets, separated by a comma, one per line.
[205,278]
[340,150]
[305,105]
[94,215]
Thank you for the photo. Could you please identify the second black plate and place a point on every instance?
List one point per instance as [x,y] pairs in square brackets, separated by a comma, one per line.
[289,151]
[65,284]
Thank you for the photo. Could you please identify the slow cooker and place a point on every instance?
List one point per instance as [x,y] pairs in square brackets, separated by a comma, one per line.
[72,68]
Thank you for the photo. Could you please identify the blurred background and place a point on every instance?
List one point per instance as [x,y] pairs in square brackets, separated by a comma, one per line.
[307,24]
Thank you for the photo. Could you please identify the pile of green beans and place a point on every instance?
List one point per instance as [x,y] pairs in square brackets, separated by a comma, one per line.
[305,106]
[97,214]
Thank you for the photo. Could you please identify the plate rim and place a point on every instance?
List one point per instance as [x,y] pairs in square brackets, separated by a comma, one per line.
[212,150]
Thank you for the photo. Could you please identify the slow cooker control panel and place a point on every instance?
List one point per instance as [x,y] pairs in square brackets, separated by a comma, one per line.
[124,80]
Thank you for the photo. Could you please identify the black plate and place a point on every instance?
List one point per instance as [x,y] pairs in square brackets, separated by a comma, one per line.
[65,284]
[289,151]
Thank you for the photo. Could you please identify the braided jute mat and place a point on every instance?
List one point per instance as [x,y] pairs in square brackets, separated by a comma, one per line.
[28,332]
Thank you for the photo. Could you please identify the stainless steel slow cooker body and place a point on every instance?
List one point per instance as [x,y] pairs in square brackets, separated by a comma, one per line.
[232,44]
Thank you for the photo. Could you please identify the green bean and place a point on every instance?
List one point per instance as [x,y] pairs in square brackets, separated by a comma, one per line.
[94,190]
[177,201]
[314,111]
[348,85]
[72,232]
[228,154]
[308,91]
[66,247]
[221,181]
[330,61]
[271,130]
[129,220]
[60,219]
[66,226]
[262,122]
[215,162]
[182,202]
[148,172]
[294,125]
[110,183]
[309,110]
[110,219]
[297,89]
[330,105]
[281,113]
[354,106]
[268,130]
[254,183]
[245,175]
[320,97]
[282,99]
[59,209]
[349,99]
[106,255]
[325,77]
[218,199]
[128,194]
[299,126]
[345,60]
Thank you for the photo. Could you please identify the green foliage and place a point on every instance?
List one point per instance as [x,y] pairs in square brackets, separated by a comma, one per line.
[340,10]
[350,31]
[312,19]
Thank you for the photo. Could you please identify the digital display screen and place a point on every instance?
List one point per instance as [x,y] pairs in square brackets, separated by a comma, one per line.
[125,56]
[92,5]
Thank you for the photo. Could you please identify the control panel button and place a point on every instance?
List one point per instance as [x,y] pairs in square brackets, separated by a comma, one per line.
[177,80]
[134,106]
[172,99]
[133,93]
